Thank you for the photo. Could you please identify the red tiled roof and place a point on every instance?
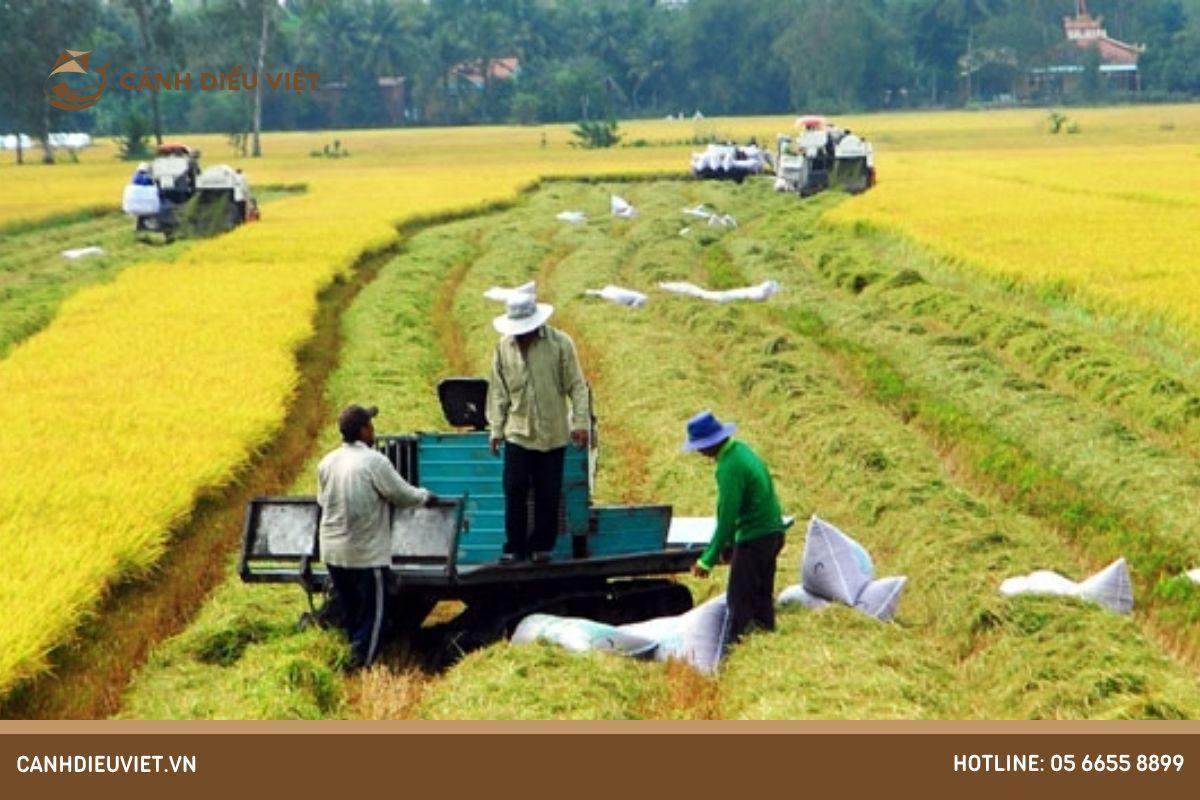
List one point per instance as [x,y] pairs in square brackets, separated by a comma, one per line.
[1111,51]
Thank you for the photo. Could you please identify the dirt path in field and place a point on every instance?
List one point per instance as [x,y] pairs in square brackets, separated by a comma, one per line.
[631,454]
[90,674]
[449,334]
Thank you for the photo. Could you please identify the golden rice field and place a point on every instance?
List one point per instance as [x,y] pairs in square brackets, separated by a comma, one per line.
[146,391]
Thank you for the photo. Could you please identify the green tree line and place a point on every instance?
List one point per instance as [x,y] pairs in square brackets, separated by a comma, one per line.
[425,62]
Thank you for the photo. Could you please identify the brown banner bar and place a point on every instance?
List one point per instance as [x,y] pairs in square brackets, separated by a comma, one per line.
[836,760]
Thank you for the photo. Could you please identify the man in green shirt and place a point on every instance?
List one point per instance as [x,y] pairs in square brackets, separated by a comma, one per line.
[748,517]
[535,372]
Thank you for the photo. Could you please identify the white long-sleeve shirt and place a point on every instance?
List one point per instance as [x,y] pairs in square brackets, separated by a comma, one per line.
[355,485]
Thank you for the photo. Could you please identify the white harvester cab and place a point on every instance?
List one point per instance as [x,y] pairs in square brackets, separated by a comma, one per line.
[855,164]
[174,171]
[224,183]
[803,163]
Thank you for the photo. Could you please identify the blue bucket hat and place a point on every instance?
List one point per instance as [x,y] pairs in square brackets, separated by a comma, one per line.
[705,430]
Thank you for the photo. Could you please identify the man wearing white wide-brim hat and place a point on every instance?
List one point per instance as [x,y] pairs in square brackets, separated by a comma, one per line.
[537,403]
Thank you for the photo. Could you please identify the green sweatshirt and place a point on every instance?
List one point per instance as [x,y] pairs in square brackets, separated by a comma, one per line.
[747,507]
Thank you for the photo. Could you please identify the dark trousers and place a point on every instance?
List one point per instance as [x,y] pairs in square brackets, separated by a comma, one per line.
[541,473]
[751,590]
[361,592]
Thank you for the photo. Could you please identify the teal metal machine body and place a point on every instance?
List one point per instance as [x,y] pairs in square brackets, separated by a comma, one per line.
[458,464]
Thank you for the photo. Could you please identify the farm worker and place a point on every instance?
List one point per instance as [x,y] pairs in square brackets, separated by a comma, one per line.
[355,484]
[748,517]
[141,176]
[535,371]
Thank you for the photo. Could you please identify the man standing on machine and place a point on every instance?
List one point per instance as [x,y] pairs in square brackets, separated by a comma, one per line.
[535,372]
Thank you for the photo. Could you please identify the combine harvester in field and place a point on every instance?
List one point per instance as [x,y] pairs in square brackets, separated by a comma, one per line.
[823,155]
[608,564]
[221,194]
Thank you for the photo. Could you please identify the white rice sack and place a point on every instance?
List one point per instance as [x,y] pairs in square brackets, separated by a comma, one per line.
[140,201]
[880,598]
[834,566]
[620,208]
[796,596]
[1111,587]
[1194,574]
[696,637]
[580,635]
[502,294]
[619,295]
[82,252]
[1042,582]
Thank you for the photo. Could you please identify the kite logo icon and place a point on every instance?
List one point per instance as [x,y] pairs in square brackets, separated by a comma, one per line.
[64,88]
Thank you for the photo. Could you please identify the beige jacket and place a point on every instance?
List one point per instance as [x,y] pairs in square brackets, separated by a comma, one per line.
[355,486]
[528,394]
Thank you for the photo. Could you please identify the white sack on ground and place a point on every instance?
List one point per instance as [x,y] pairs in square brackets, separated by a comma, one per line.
[757,294]
[580,635]
[616,294]
[140,201]
[834,566]
[622,209]
[501,295]
[880,598]
[1194,574]
[573,217]
[795,595]
[1111,587]
[696,637]
[713,218]
[82,252]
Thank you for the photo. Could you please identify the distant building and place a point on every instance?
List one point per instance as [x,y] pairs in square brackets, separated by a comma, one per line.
[473,74]
[393,97]
[1084,33]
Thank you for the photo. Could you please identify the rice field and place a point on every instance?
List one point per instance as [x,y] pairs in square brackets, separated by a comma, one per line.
[1060,281]
[869,409]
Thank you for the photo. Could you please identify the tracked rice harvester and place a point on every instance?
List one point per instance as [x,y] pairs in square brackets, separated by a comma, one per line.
[823,155]
[610,564]
[222,194]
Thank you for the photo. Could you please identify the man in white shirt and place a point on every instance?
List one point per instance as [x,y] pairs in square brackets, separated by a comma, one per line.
[355,486]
